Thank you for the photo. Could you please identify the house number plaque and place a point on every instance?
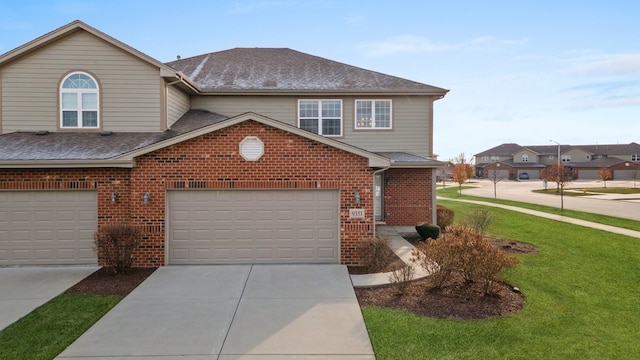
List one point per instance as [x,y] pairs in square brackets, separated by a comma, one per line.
[356,213]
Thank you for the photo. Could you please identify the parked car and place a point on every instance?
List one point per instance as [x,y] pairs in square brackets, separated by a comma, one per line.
[523,176]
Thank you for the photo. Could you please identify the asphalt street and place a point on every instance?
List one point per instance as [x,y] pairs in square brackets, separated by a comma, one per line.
[623,206]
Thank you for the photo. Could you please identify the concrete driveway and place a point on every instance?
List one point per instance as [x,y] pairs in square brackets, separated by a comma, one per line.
[233,312]
[22,289]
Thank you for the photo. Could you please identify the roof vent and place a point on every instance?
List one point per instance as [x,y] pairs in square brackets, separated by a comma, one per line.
[106,133]
[178,57]
[42,132]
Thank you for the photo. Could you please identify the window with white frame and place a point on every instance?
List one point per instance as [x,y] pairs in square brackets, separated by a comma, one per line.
[322,117]
[566,158]
[635,157]
[525,158]
[79,102]
[373,114]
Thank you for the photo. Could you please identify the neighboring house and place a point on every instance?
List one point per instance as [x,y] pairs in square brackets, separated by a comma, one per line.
[239,156]
[510,160]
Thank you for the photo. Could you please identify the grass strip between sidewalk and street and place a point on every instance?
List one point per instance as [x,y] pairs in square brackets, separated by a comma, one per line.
[48,330]
[581,300]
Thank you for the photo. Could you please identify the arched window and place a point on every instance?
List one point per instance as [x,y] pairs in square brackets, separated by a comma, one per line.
[525,158]
[79,97]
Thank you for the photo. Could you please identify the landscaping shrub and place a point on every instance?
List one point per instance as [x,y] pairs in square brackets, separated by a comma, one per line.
[444,217]
[375,254]
[461,250]
[400,278]
[428,231]
[478,219]
[115,243]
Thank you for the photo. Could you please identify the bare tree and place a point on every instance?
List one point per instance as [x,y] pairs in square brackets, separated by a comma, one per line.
[559,175]
[495,177]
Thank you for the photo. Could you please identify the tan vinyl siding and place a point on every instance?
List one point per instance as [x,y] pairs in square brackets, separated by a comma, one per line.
[178,103]
[129,89]
[577,155]
[411,118]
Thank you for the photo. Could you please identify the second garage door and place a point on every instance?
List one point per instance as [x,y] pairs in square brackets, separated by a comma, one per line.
[47,227]
[253,226]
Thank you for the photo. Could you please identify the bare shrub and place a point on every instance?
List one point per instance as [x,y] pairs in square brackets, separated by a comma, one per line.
[444,217]
[478,219]
[375,254]
[116,243]
[461,250]
[401,278]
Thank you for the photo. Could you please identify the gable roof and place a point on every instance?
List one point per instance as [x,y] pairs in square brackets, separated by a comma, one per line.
[77,25]
[72,149]
[375,160]
[283,70]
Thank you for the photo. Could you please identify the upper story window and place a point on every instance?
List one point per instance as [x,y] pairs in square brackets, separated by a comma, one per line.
[566,158]
[373,114]
[79,97]
[495,158]
[525,158]
[635,157]
[323,117]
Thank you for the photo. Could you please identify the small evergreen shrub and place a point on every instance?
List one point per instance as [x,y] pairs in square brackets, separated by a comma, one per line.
[444,217]
[375,254]
[116,243]
[428,231]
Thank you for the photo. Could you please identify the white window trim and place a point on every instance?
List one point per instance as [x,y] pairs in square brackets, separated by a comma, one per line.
[79,109]
[320,115]
[566,158]
[525,158]
[373,110]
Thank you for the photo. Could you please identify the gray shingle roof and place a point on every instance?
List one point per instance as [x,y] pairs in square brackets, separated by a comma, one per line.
[92,145]
[282,69]
[400,159]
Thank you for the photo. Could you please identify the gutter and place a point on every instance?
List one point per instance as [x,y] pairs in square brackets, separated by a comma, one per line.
[51,164]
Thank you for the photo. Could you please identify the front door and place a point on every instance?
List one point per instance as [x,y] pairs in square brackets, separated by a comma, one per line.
[377,198]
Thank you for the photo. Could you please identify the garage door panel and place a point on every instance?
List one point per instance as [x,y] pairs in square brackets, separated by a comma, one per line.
[261,226]
[47,227]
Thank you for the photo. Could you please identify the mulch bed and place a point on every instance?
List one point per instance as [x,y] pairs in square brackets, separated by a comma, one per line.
[105,282]
[457,299]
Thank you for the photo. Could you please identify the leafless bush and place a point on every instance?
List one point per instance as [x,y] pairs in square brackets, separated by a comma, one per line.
[479,219]
[375,254]
[401,278]
[116,243]
[444,217]
[461,250]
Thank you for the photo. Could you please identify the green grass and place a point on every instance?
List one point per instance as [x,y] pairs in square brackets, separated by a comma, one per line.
[609,190]
[47,331]
[597,218]
[581,293]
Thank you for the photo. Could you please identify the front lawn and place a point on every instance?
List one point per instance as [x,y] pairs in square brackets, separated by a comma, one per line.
[581,290]
[48,330]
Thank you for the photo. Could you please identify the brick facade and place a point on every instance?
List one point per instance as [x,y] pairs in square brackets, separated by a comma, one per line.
[212,161]
[408,196]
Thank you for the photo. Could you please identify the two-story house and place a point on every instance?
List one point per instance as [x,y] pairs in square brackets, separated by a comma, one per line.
[248,155]
[510,160]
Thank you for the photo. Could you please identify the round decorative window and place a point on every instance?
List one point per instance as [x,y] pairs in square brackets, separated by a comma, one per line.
[251,148]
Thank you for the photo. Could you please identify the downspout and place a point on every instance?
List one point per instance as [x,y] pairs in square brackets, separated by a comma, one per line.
[374,191]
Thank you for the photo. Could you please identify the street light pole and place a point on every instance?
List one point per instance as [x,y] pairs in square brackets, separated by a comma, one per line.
[559,178]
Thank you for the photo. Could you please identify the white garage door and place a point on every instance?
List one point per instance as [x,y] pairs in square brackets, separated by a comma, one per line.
[47,227]
[253,226]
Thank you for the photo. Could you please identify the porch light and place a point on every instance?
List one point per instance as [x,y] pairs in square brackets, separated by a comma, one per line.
[146,197]
[356,196]
[114,197]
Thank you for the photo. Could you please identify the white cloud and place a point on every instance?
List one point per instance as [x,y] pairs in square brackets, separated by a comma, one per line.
[415,44]
[611,65]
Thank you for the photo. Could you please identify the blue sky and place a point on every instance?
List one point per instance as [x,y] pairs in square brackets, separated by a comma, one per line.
[518,71]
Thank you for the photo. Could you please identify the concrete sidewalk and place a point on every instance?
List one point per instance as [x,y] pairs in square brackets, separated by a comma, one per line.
[233,312]
[23,289]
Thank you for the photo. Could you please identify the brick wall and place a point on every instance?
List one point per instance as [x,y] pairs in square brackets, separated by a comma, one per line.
[212,161]
[408,196]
